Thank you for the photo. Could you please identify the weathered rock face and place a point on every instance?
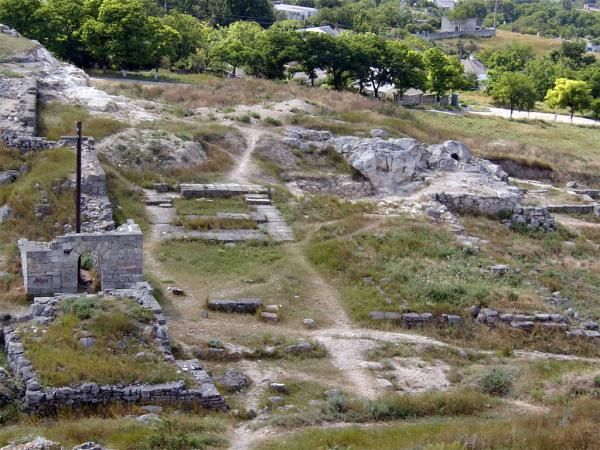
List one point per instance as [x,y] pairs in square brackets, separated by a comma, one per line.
[151,149]
[395,165]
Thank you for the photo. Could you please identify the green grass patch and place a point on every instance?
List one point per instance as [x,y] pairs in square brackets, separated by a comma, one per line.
[210,207]
[250,260]
[116,324]
[407,265]
[126,198]
[175,431]
[213,223]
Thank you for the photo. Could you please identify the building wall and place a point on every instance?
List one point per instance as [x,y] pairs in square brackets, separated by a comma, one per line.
[51,267]
[458,25]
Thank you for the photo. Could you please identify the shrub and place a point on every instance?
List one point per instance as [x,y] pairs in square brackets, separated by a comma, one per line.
[272,121]
[82,308]
[497,382]
[244,119]
[87,262]
[597,381]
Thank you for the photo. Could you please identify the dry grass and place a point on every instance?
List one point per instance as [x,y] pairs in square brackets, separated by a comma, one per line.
[503,38]
[58,119]
[571,428]
[47,172]
[215,92]
[10,45]
[113,430]
[213,223]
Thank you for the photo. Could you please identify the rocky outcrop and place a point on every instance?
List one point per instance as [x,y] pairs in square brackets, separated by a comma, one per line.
[151,150]
[392,164]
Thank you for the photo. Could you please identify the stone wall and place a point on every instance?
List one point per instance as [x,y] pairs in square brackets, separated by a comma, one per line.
[479,204]
[18,109]
[532,218]
[433,36]
[423,99]
[50,267]
[47,399]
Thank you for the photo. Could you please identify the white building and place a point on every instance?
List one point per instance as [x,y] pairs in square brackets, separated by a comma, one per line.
[293,12]
[326,29]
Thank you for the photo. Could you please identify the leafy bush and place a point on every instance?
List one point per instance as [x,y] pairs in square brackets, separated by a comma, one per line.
[272,121]
[497,382]
[83,308]
[87,262]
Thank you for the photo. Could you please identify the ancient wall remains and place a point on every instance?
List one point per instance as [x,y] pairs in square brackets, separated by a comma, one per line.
[50,267]
[38,398]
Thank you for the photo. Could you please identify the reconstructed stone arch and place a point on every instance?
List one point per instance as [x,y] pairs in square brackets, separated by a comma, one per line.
[53,267]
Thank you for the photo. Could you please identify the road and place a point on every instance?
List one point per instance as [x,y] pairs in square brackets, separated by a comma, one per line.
[547,117]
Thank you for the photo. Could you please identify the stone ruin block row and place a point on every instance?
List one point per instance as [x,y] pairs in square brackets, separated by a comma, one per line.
[413,320]
[220,190]
[573,209]
[245,306]
[39,399]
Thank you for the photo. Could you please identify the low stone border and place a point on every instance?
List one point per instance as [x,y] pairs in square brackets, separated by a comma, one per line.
[38,399]
[492,318]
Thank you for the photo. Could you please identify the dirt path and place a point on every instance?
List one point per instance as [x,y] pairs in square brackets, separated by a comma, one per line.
[572,222]
[245,168]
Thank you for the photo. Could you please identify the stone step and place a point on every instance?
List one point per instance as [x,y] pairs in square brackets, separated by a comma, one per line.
[220,190]
[258,201]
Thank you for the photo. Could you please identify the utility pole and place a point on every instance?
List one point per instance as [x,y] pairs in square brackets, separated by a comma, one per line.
[496,14]
[78,182]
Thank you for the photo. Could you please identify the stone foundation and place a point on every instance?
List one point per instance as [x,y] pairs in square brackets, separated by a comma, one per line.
[43,400]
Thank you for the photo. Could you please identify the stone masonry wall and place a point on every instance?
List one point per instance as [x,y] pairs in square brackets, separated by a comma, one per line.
[47,399]
[50,267]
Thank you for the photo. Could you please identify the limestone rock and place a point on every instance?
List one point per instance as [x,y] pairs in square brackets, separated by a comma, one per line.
[148,419]
[269,317]
[5,212]
[234,380]
[310,324]
[278,387]
[39,443]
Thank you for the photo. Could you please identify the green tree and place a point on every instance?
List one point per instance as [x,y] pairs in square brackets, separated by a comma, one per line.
[275,48]
[237,45]
[260,11]
[595,108]
[121,34]
[407,68]
[591,75]
[515,91]
[572,94]
[162,42]
[64,20]
[193,33]
[444,73]
[545,72]
[23,16]
[370,61]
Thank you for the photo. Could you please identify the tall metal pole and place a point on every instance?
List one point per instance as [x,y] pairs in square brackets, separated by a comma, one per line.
[78,182]
[495,14]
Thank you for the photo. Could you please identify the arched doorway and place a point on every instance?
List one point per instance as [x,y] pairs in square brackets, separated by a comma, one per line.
[89,273]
